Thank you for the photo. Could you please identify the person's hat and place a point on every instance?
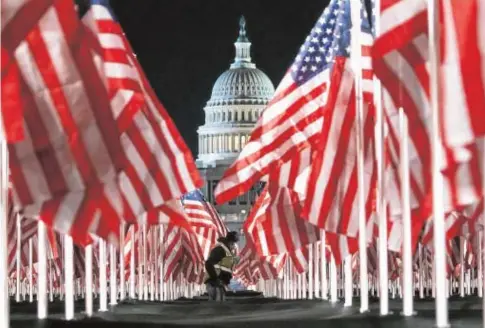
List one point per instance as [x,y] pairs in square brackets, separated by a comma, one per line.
[232,236]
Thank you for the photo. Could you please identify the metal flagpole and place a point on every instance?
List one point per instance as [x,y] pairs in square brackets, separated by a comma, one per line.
[355,8]
[112,275]
[122,262]
[381,205]
[42,273]
[17,256]
[323,265]
[439,234]
[69,276]
[89,279]
[103,296]
[4,300]
[348,280]
[407,274]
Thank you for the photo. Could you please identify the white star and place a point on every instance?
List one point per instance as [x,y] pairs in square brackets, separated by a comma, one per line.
[318,30]
[314,68]
[315,39]
[347,49]
[311,50]
[332,21]
[298,58]
[325,40]
[318,59]
[303,69]
[329,31]
[322,49]
[307,59]
[294,68]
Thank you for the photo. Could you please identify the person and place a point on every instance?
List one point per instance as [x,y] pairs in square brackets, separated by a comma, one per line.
[219,265]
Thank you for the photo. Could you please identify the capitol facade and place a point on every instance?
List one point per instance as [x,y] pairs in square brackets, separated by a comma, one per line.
[238,97]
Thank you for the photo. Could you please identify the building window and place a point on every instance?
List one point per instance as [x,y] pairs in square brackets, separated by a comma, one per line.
[236,142]
[253,195]
[229,116]
[243,118]
[208,193]
[229,137]
[243,199]
[243,141]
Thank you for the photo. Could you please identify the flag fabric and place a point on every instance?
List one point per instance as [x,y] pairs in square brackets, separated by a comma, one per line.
[70,152]
[160,168]
[202,214]
[293,119]
[331,200]
[400,60]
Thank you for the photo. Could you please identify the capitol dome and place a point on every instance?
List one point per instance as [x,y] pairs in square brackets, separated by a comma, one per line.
[238,97]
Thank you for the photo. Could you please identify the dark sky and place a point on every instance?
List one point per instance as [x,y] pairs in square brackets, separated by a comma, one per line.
[184,45]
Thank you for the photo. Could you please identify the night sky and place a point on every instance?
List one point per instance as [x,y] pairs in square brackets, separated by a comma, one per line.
[184,45]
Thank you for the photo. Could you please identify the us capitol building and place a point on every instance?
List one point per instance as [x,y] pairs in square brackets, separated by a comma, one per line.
[238,97]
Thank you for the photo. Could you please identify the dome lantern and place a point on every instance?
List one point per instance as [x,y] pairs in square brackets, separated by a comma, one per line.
[243,48]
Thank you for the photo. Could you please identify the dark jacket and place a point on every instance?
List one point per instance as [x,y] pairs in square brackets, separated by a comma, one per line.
[215,256]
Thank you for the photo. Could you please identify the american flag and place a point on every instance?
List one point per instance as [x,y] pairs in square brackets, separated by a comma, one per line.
[401,60]
[293,119]
[70,147]
[160,167]
[331,199]
[202,214]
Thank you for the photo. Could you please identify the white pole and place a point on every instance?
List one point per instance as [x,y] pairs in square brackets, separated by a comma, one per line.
[152,265]
[421,271]
[480,264]
[310,271]
[89,280]
[462,267]
[103,296]
[323,265]
[112,271]
[355,8]
[162,251]
[17,256]
[69,277]
[333,280]
[4,300]
[316,259]
[145,263]
[439,236]
[31,272]
[381,206]
[348,280]
[407,274]
[140,263]
[42,271]
[122,262]
[132,263]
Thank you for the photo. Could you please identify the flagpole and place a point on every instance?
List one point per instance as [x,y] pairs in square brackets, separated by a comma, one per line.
[439,236]
[380,204]
[4,300]
[355,9]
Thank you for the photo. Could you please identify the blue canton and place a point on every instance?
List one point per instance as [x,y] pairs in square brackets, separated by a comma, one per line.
[328,39]
[194,195]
